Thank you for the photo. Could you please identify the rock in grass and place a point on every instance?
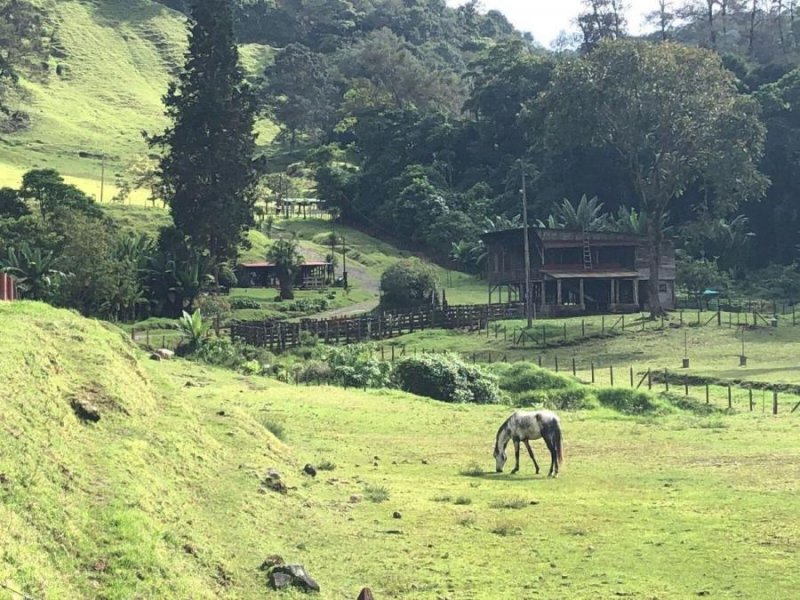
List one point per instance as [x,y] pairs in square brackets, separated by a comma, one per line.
[310,470]
[283,576]
[85,410]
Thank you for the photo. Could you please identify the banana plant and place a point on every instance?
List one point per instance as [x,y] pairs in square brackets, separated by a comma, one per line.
[33,269]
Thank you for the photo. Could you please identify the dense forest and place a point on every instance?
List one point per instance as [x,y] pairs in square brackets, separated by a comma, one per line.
[415,120]
[417,117]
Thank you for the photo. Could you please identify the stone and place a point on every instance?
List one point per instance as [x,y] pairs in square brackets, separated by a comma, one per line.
[273,474]
[310,470]
[85,410]
[397,515]
[282,576]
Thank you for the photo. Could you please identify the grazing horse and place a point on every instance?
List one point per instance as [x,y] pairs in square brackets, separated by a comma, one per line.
[525,426]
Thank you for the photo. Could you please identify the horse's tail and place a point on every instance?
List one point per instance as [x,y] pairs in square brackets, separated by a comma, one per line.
[557,441]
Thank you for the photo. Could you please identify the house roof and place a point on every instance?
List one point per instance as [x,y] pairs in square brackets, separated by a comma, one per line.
[266,265]
[556,237]
[590,273]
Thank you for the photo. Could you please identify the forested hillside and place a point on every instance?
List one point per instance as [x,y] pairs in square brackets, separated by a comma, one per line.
[416,119]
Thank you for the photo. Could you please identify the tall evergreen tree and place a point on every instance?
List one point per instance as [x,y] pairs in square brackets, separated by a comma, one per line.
[208,172]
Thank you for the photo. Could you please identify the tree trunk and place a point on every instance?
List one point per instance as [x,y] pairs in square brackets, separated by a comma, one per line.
[287,291]
[654,238]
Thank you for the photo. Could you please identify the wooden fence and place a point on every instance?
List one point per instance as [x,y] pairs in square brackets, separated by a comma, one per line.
[280,335]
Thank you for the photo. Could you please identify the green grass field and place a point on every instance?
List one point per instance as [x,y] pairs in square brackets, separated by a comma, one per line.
[162,497]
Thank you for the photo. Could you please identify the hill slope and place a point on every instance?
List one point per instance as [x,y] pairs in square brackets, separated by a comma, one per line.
[116,58]
[158,499]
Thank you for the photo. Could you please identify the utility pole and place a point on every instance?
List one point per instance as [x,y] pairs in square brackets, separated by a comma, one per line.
[102,175]
[344,264]
[528,298]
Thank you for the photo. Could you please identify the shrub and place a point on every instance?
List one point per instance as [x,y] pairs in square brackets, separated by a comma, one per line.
[575,397]
[354,366]
[445,377]
[406,284]
[315,371]
[219,352]
[632,402]
[523,377]
[245,303]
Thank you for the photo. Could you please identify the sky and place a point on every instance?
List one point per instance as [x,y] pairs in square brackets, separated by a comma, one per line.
[546,18]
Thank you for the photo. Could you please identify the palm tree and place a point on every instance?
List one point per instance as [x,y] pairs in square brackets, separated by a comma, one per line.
[34,270]
[588,215]
[285,255]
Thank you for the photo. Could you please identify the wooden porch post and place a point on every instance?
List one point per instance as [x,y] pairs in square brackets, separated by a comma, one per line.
[611,301]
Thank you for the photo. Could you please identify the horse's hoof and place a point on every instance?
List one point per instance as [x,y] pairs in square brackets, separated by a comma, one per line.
[514,471]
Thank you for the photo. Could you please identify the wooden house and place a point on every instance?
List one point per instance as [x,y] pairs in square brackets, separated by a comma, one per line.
[574,272]
[311,275]
[8,287]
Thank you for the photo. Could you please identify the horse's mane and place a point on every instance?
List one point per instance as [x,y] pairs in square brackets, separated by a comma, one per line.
[497,437]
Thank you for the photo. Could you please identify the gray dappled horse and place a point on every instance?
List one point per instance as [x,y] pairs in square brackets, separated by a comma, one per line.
[525,426]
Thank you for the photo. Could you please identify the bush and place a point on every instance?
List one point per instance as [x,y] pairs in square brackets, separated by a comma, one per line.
[575,397]
[354,366]
[219,352]
[524,377]
[245,303]
[446,377]
[315,371]
[632,402]
[406,284]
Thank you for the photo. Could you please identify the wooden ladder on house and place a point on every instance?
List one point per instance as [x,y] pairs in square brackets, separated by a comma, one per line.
[587,251]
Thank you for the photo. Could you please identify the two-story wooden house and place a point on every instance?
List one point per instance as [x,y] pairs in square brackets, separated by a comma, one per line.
[574,272]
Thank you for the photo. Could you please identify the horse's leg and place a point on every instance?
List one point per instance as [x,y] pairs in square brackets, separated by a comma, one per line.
[533,458]
[516,455]
[551,447]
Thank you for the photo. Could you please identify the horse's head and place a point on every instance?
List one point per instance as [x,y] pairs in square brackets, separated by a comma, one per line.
[500,459]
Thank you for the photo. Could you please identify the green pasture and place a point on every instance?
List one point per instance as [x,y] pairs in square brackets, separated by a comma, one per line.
[163,496]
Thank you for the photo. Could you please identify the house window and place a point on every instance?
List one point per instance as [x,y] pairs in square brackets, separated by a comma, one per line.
[662,288]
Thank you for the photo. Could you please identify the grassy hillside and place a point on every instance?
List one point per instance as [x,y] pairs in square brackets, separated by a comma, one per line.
[160,498]
[117,58]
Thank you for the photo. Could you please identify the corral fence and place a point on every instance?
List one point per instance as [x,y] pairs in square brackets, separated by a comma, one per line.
[280,335]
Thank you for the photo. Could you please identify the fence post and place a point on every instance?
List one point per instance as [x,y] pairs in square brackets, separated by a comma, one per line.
[666,380]
[392,352]
[592,367]
[623,322]
[583,327]
[774,403]
[685,385]
[730,397]
[649,380]
[565,331]
[540,360]
[603,324]
[750,394]
[719,317]
[556,364]
[631,376]
[611,371]
[382,356]
[681,316]
[706,393]
[573,367]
